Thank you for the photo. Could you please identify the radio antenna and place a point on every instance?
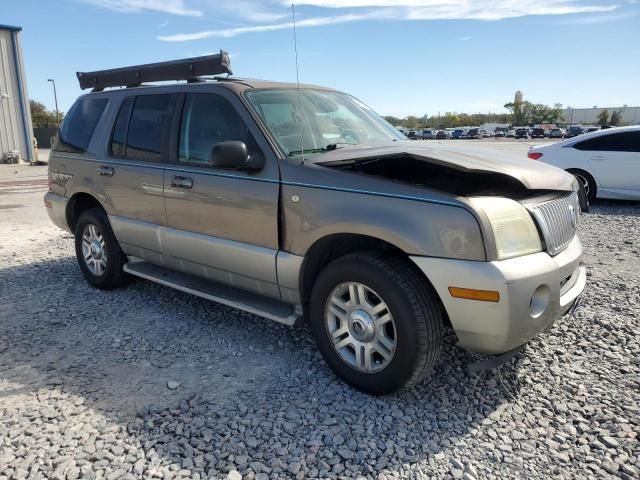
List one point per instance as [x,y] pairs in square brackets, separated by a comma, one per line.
[295,48]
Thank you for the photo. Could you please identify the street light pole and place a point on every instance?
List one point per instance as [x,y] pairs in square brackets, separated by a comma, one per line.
[55,97]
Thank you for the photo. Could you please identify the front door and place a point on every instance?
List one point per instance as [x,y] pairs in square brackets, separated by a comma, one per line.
[222,224]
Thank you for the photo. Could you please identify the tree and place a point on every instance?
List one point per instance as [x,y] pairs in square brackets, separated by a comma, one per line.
[603,118]
[527,113]
[41,117]
[393,120]
[516,112]
[448,120]
[411,121]
[616,117]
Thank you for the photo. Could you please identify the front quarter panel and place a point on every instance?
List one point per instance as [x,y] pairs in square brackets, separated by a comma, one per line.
[416,226]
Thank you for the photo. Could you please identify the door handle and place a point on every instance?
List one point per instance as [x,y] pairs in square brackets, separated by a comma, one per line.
[597,157]
[105,171]
[181,182]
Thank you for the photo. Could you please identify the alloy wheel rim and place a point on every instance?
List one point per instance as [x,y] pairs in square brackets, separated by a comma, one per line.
[360,327]
[94,250]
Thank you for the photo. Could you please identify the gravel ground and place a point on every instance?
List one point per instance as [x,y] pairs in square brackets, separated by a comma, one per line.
[149,382]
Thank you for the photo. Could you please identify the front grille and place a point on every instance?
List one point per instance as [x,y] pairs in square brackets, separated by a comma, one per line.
[558,221]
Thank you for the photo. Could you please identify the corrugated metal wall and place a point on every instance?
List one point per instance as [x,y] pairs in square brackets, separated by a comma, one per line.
[15,119]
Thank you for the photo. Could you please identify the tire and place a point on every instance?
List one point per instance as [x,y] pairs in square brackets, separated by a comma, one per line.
[416,325]
[588,182]
[102,271]
[583,198]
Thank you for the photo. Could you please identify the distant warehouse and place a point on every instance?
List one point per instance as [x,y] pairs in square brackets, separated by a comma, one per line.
[628,115]
[15,116]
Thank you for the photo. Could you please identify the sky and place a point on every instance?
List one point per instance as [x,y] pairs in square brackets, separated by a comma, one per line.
[401,57]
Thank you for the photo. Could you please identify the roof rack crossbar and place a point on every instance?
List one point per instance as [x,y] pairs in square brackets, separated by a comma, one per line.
[184,69]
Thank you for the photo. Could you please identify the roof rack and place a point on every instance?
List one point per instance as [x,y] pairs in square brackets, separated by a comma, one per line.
[185,69]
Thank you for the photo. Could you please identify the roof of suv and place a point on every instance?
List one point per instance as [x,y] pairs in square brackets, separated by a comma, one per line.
[232,83]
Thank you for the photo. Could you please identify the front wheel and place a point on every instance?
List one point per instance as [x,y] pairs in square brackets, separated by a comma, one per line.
[587,182]
[98,252]
[377,322]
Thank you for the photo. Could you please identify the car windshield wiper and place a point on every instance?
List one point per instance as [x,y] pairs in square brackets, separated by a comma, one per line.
[327,148]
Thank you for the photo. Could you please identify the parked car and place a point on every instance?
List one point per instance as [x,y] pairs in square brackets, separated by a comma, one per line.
[458,134]
[521,133]
[556,133]
[413,135]
[607,162]
[442,135]
[215,189]
[500,133]
[538,133]
[485,134]
[473,133]
[573,131]
[428,135]
[511,133]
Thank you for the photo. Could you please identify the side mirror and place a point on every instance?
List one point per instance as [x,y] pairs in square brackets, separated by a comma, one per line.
[235,155]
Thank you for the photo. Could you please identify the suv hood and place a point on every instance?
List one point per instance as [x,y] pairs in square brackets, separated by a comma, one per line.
[466,158]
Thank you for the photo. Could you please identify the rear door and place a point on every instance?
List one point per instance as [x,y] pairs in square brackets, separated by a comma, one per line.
[615,159]
[132,173]
[222,224]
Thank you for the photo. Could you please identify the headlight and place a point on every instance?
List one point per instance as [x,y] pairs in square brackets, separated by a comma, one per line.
[513,229]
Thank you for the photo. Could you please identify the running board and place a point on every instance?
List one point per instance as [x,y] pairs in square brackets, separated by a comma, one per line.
[256,304]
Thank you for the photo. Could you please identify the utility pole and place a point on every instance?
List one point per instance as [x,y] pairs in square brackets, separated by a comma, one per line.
[55,97]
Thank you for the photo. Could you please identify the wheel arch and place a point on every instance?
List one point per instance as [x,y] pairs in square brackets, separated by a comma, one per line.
[589,174]
[78,203]
[331,247]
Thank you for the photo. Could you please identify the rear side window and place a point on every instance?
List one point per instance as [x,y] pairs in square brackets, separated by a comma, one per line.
[142,127]
[615,142]
[79,124]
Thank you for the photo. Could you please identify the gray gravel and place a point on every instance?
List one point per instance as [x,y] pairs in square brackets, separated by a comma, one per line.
[149,382]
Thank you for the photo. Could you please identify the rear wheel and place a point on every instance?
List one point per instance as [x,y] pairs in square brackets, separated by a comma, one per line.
[377,322]
[98,252]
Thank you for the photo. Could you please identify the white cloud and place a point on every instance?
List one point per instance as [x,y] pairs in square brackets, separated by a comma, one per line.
[464,39]
[173,7]
[268,16]
[234,31]
[163,24]
[596,19]
[470,9]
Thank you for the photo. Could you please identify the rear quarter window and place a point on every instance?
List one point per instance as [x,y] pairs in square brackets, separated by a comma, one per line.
[614,142]
[79,124]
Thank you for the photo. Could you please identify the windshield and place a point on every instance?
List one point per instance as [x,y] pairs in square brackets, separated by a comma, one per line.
[329,120]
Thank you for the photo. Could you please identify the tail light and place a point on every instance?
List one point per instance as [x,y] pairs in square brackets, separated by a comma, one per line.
[534,155]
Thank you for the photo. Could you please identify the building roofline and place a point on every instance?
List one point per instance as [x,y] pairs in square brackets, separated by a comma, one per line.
[11,28]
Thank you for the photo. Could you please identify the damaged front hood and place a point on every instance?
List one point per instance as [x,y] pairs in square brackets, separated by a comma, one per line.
[460,156]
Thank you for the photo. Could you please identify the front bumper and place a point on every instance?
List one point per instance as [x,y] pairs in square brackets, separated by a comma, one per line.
[534,291]
[57,210]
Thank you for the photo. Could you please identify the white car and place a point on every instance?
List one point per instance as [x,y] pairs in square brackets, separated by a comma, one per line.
[607,162]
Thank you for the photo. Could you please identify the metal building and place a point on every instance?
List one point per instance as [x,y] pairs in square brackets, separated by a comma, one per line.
[15,115]
[628,115]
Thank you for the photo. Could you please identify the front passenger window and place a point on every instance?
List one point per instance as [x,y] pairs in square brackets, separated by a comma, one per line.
[208,119]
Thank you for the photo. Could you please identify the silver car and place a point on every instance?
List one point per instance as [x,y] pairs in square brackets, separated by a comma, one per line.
[299,203]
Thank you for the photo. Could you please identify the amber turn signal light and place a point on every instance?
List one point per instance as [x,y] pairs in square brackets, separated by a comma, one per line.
[473,294]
